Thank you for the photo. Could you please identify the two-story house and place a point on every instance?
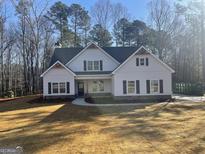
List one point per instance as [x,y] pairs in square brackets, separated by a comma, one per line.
[122,72]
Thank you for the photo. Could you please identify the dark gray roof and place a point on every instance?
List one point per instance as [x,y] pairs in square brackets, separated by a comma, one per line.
[93,73]
[66,54]
[120,53]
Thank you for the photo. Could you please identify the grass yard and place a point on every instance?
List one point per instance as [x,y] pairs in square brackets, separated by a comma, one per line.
[60,127]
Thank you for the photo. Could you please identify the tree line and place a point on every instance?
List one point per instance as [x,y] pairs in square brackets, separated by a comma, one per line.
[174,31]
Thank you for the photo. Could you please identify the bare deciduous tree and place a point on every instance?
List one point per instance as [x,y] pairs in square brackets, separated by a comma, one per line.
[102,13]
[166,22]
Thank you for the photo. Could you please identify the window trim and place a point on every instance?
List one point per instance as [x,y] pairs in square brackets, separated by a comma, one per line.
[142,60]
[60,87]
[57,88]
[151,89]
[92,62]
[89,62]
[98,66]
[132,87]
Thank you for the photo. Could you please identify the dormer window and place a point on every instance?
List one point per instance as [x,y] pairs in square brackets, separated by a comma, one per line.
[142,61]
[93,65]
[96,65]
[90,65]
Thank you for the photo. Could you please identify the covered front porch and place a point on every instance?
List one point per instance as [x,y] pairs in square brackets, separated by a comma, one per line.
[93,87]
[93,84]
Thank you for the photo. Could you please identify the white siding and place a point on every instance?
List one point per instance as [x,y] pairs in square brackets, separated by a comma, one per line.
[155,71]
[77,64]
[113,86]
[58,75]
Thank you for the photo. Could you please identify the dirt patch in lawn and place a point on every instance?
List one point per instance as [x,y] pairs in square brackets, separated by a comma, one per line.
[61,127]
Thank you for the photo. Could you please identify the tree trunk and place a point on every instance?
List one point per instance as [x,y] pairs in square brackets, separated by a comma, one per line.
[2,57]
[202,38]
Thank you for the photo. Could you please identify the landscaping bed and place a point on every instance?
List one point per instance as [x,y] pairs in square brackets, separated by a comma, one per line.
[110,100]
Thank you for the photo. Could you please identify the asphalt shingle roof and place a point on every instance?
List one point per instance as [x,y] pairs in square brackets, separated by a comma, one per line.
[64,55]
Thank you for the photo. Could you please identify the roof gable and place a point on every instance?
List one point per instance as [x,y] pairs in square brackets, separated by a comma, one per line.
[92,46]
[58,64]
[143,50]
[64,55]
[120,54]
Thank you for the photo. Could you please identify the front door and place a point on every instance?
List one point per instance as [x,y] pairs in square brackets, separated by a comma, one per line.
[80,89]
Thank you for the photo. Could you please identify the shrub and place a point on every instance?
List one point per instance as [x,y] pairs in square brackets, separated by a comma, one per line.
[10,94]
[89,99]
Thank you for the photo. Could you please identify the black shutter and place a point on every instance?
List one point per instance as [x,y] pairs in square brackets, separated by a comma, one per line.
[137,61]
[85,67]
[49,88]
[124,87]
[147,61]
[148,86]
[68,87]
[161,86]
[101,65]
[137,86]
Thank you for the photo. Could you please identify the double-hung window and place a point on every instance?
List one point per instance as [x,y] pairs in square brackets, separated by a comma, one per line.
[154,86]
[90,65]
[93,66]
[131,87]
[55,88]
[96,65]
[58,87]
[141,61]
[62,87]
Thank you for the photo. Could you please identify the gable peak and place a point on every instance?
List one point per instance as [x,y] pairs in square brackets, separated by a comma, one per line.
[142,50]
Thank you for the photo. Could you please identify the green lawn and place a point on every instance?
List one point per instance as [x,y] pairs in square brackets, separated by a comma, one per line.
[60,127]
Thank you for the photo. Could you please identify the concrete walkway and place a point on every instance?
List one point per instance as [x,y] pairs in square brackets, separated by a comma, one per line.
[81,102]
[190,98]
